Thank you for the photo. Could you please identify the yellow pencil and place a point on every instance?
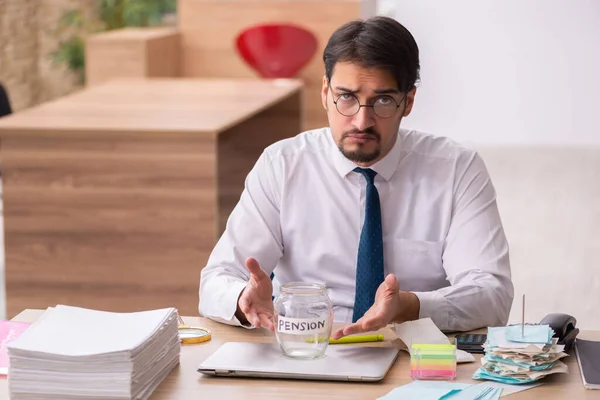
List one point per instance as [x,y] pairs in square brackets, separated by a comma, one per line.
[357,339]
[354,339]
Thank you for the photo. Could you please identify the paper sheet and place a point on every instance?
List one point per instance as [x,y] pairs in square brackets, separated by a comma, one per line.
[510,389]
[438,390]
[420,331]
[9,331]
[78,332]
[425,390]
[481,391]
[532,334]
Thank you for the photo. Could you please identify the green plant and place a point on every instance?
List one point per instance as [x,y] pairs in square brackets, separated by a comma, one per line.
[72,53]
[121,13]
[73,26]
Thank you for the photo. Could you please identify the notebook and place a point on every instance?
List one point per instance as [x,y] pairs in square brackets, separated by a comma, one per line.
[588,356]
[9,331]
[266,360]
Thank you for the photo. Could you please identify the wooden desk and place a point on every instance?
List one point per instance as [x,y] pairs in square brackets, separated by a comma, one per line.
[114,196]
[185,383]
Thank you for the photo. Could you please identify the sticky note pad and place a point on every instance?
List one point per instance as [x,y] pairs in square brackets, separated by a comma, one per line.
[433,361]
[531,334]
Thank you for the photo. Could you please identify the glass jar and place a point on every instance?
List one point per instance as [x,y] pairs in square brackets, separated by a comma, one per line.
[303,319]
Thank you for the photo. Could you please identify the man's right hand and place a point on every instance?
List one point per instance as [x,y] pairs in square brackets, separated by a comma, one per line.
[255,304]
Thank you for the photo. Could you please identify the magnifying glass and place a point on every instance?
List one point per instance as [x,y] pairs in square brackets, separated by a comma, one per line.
[191,335]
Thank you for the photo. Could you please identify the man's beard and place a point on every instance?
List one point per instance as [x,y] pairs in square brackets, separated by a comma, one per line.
[359,155]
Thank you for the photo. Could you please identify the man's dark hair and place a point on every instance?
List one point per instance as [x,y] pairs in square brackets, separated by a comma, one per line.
[379,42]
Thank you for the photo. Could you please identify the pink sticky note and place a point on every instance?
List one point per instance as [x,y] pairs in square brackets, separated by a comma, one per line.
[9,331]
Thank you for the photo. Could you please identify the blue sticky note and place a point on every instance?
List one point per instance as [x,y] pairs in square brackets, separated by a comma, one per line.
[532,334]
[493,394]
[426,390]
[440,385]
[478,392]
[415,393]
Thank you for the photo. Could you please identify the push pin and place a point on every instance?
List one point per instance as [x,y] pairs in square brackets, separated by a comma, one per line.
[523,318]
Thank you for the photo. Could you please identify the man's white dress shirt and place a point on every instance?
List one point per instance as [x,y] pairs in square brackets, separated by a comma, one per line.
[301,213]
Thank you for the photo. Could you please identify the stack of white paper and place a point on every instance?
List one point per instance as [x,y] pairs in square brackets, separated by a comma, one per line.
[516,357]
[79,353]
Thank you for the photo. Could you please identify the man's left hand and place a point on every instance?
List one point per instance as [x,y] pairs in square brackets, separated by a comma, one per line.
[391,306]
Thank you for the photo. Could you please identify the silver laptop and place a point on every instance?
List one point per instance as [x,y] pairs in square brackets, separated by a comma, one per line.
[340,363]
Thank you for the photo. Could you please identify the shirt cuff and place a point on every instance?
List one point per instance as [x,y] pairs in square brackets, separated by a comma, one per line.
[433,305]
[233,292]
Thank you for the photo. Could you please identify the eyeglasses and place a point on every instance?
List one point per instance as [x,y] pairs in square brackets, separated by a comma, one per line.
[348,105]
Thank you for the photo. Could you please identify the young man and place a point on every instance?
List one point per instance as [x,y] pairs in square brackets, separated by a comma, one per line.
[399,225]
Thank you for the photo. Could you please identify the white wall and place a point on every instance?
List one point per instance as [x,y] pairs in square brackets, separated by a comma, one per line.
[506,72]
[509,78]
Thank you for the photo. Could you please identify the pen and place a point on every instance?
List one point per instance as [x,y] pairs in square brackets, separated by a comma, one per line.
[353,339]
[357,339]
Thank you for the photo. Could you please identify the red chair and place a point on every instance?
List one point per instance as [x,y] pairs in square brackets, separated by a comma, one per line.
[276,50]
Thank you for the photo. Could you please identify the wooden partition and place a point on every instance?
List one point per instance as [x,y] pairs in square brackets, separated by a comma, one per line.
[115,196]
[132,53]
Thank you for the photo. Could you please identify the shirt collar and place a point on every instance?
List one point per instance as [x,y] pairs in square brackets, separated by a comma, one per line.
[384,167]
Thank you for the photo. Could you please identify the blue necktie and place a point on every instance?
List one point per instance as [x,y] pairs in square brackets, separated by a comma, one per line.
[369,269]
